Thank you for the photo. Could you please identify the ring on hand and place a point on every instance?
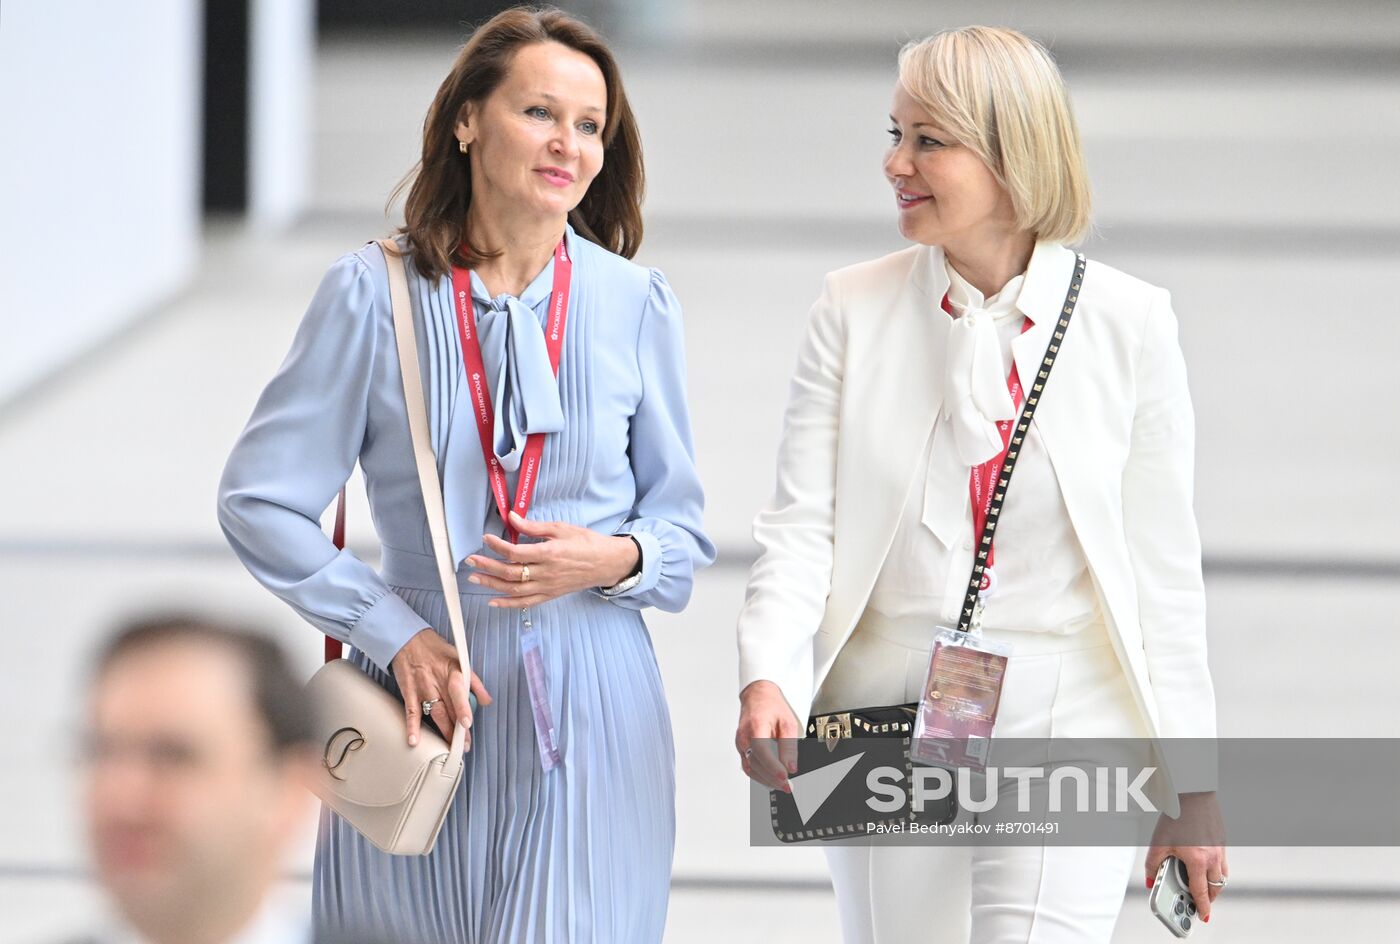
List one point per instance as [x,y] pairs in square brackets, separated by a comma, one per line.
[524,573]
[748,753]
[428,705]
[1224,880]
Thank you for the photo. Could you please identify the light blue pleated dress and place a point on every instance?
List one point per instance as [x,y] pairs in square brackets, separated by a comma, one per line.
[583,852]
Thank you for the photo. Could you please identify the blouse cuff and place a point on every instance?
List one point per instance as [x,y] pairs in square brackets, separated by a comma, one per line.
[384,628]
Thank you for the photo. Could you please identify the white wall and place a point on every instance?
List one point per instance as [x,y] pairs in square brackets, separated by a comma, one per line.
[99,171]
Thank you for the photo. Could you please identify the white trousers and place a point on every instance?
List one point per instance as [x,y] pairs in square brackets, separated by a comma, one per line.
[1055,686]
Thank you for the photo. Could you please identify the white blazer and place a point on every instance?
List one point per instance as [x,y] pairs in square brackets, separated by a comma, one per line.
[1116,421]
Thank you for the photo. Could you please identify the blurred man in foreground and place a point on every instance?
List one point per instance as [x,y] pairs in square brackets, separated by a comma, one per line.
[197,762]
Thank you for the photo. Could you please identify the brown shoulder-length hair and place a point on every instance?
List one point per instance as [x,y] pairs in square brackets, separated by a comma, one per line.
[435,213]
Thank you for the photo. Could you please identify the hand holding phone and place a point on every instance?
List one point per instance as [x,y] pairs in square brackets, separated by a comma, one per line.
[1170,899]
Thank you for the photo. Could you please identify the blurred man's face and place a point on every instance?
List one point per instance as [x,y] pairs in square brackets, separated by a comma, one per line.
[185,798]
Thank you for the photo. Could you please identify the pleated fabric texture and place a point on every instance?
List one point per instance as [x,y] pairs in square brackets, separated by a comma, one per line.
[582,853]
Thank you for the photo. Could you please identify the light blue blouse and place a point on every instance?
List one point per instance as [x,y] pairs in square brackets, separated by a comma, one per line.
[626,464]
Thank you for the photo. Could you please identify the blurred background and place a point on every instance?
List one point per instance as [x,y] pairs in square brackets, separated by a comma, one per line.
[176,176]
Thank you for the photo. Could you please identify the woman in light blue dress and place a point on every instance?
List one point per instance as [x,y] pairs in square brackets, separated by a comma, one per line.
[529,142]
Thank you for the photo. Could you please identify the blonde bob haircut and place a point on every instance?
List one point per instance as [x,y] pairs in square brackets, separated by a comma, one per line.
[1000,94]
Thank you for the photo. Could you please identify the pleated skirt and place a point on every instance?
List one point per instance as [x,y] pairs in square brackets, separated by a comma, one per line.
[579,854]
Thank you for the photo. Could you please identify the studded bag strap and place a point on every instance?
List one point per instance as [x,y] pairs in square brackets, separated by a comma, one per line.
[1018,435]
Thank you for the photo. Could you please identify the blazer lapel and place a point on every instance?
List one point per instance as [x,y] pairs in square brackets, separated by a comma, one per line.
[1042,296]
[906,383]
[1070,443]
[1042,300]
[894,392]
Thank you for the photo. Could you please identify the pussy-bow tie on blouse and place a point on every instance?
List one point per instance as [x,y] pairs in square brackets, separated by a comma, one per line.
[525,394]
[975,395]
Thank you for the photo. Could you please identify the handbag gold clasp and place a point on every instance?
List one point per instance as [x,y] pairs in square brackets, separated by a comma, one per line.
[832,728]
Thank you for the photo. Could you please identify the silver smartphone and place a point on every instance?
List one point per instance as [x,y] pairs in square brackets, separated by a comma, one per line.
[1170,898]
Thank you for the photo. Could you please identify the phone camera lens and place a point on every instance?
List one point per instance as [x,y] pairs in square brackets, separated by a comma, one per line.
[1179,908]
[1185,924]
[1191,907]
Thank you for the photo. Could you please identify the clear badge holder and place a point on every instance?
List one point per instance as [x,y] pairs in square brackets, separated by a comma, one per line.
[961,694]
[531,651]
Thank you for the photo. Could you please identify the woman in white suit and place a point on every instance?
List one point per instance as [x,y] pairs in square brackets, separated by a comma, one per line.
[902,379]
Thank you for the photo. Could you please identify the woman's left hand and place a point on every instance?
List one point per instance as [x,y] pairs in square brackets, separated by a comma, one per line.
[567,559]
[1200,821]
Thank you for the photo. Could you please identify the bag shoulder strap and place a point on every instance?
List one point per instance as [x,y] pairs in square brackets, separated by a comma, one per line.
[334,650]
[1018,435]
[423,456]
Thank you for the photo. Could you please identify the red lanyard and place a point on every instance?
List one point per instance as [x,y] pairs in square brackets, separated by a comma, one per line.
[481,397]
[990,470]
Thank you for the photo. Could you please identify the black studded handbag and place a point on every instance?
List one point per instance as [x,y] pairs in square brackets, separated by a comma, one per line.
[853,743]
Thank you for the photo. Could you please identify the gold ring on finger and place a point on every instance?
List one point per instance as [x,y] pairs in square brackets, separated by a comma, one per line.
[524,573]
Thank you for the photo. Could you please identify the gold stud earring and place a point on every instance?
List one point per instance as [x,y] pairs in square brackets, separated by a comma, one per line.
[462,146]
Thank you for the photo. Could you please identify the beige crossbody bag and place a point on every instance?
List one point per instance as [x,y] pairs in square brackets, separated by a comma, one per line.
[396,796]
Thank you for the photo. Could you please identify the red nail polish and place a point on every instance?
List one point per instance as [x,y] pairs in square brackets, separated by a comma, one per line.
[1206,919]
[1150,880]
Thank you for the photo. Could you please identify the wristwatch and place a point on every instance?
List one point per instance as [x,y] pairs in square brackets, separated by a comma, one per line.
[631,580]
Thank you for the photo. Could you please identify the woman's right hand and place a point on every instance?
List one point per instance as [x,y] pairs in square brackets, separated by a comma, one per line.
[765,716]
[426,669]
